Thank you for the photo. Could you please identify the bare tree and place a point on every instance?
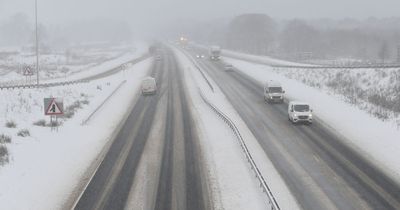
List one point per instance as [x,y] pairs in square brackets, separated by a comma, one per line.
[253,33]
[299,37]
[384,51]
[16,30]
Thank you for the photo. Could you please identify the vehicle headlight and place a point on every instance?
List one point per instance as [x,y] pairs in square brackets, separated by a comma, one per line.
[310,115]
[295,115]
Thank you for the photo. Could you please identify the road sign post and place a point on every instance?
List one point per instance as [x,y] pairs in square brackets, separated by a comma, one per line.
[53,107]
[28,73]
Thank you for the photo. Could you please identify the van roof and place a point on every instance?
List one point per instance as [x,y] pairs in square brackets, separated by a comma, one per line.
[148,78]
[299,102]
[273,83]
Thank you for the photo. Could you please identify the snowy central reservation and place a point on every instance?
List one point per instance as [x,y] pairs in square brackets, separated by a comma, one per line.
[185,154]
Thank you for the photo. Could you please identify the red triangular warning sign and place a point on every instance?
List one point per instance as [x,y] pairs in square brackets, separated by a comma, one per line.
[53,108]
[27,71]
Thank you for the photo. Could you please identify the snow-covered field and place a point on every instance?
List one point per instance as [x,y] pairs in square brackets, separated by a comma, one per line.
[233,182]
[261,59]
[253,58]
[45,167]
[64,64]
[376,140]
[374,90]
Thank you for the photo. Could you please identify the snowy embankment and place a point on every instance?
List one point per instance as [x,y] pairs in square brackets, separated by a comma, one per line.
[261,59]
[374,90]
[232,181]
[376,140]
[55,68]
[44,168]
[254,58]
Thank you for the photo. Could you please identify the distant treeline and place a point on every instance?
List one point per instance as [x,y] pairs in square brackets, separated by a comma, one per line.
[372,39]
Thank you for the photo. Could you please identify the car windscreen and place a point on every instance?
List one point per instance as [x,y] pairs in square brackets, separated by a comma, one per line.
[275,89]
[301,108]
[148,82]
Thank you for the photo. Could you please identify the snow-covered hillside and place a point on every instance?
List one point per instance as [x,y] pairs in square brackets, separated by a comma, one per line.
[33,157]
[62,63]
[374,90]
[376,140]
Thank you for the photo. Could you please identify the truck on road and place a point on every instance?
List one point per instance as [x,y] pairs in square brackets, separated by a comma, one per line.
[214,53]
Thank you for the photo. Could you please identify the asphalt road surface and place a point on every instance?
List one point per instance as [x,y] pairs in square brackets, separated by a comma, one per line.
[154,162]
[320,171]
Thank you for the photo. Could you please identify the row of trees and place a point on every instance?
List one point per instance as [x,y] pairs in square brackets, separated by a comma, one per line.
[370,40]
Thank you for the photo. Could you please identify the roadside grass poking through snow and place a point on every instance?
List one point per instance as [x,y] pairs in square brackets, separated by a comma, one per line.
[23,133]
[4,139]
[11,124]
[372,90]
[71,109]
[3,155]
[41,123]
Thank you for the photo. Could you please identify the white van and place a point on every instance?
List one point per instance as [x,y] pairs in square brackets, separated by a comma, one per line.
[273,92]
[149,86]
[300,112]
[228,67]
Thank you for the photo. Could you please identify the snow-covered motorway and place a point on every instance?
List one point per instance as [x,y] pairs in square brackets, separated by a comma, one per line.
[320,171]
[154,160]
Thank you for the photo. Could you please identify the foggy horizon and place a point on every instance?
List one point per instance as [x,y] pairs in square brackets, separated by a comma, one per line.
[134,12]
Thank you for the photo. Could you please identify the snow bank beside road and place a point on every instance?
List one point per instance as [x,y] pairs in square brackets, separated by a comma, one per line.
[375,91]
[261,59]
[140,50]
[254,58]
[61,71]
[375,140]
[45,168]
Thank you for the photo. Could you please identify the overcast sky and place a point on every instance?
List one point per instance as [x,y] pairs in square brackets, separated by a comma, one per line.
[159,11]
